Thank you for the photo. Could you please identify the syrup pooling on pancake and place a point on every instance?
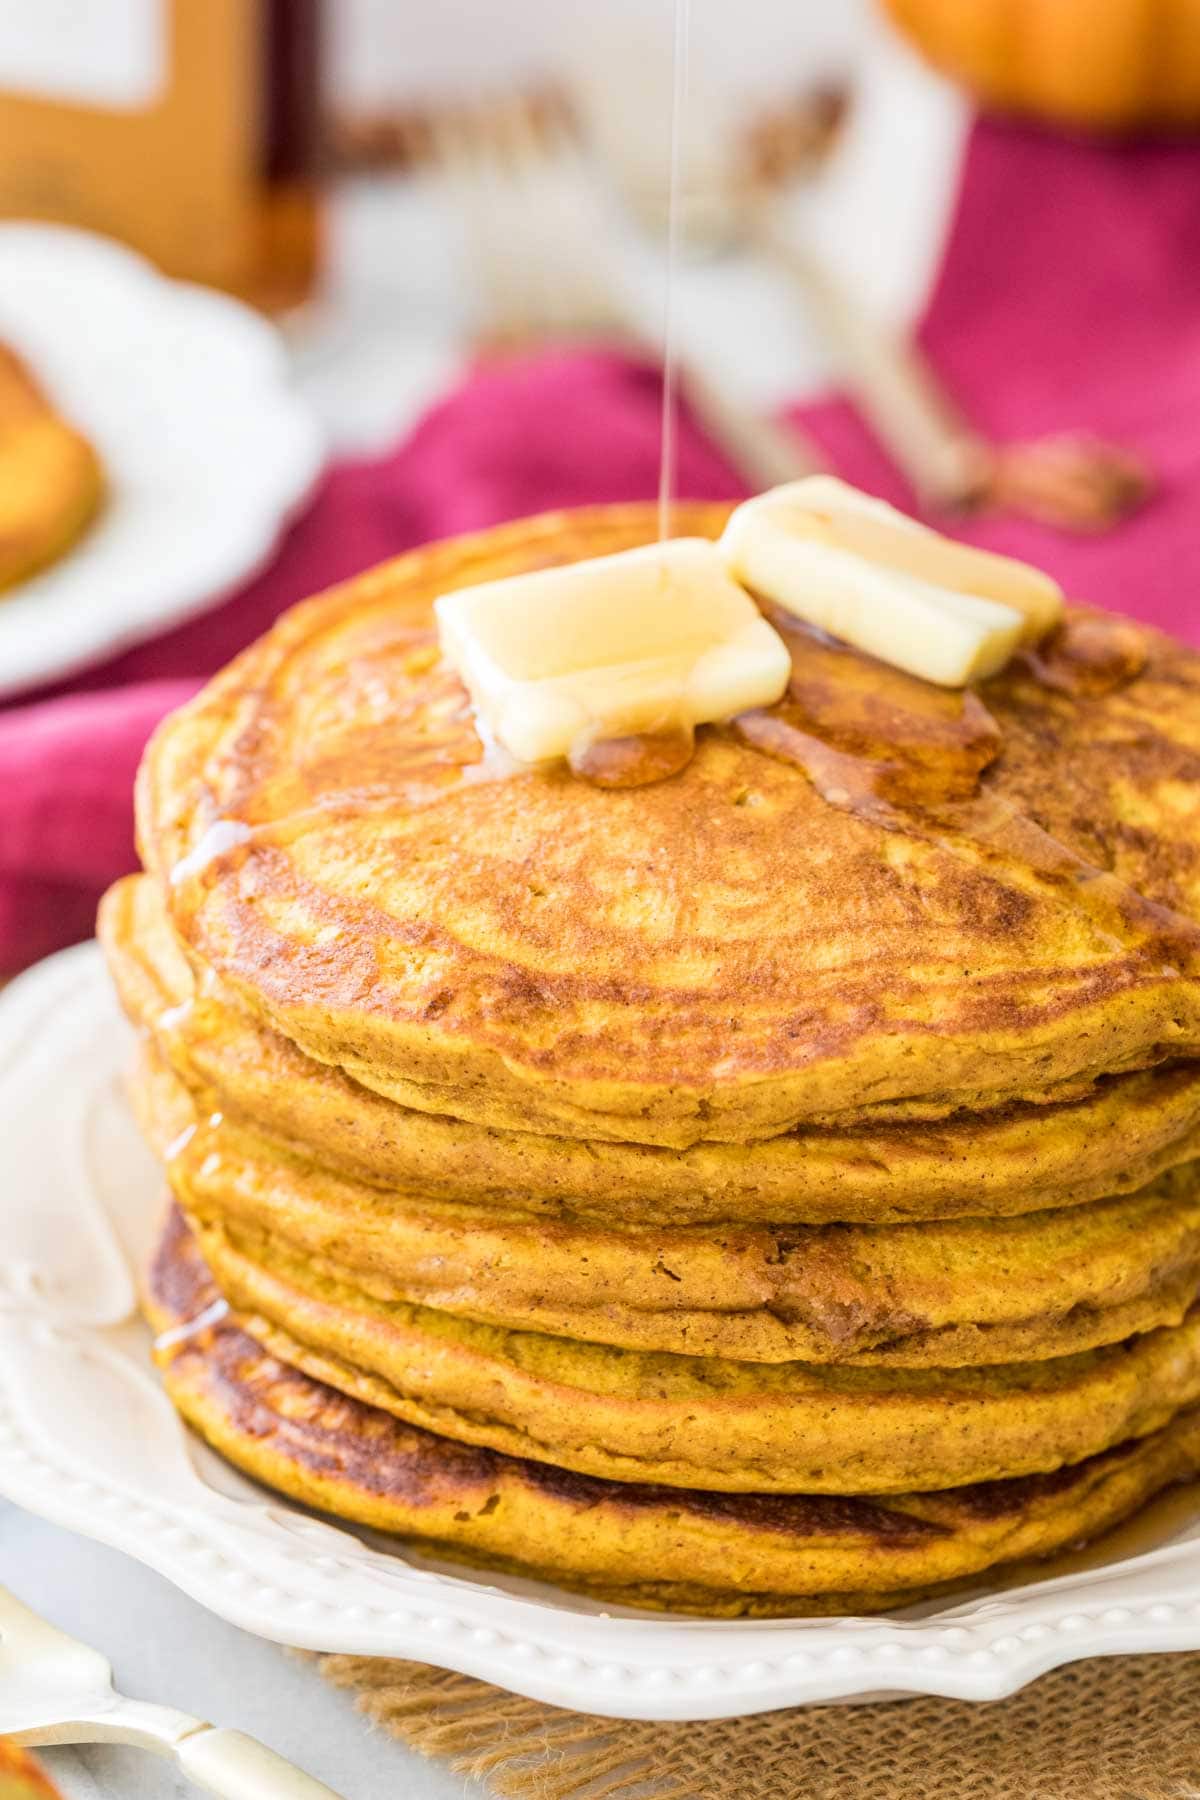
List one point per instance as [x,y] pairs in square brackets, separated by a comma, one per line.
[892,737]
[634,761]
[1091,654]
[911,758]
[872,739]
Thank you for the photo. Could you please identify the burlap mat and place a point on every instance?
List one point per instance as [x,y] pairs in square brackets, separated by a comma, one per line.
[1127,1728]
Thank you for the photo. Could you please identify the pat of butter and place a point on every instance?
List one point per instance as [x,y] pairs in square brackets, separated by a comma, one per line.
[645,640]
[867,574]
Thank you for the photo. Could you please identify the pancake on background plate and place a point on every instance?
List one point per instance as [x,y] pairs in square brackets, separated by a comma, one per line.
[771,1189]
[51,481]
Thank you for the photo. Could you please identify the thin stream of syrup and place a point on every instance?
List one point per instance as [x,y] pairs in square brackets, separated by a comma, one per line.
[679,90]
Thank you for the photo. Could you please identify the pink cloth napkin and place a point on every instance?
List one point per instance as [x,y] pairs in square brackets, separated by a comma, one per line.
[1068,299]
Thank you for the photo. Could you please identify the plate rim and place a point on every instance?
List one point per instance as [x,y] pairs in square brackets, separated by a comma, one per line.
[247,544]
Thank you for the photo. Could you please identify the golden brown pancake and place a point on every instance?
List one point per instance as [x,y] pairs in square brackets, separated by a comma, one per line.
[976,1291]
[50,477]
[720,956]
[819,1125]
[1022,1158]
[690,1421]
[716,1554]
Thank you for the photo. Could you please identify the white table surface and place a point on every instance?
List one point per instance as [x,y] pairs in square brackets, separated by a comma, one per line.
[386,343]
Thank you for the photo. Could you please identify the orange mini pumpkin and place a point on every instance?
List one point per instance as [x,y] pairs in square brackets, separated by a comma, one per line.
[1107,64]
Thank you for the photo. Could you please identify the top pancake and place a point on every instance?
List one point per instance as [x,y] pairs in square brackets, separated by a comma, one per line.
[721,956]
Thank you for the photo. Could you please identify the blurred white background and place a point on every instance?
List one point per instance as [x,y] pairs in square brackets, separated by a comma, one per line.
[383,53]
[401,291]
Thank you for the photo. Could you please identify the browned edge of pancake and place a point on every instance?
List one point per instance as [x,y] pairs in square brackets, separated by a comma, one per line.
[715,1554]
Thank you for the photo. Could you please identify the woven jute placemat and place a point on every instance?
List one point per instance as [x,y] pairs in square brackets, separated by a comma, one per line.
[1125,1728]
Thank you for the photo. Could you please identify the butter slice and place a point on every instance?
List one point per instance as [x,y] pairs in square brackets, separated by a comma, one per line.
[645,640]
[868,574]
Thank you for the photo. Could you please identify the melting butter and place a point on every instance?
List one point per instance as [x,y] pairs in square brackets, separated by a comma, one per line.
[860,570]
[654,640]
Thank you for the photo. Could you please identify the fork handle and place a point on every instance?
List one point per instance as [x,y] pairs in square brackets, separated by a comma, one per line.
[236,1767]
[893,384]
[763,452]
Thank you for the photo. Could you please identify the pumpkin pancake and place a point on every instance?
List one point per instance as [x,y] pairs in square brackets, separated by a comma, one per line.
[960,1292]
[1023,1158]
[50,477]
[716,1554]
[775,1188]
[721,956]
[691,1421]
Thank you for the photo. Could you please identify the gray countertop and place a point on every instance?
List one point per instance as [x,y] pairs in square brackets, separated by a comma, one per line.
[165,1647]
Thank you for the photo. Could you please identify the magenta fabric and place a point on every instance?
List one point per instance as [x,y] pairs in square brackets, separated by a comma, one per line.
[1069,299]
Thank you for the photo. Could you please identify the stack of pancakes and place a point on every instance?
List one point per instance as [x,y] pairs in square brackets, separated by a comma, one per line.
[748,1193]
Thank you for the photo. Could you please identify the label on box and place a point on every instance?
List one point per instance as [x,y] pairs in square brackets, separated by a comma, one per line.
[107,53]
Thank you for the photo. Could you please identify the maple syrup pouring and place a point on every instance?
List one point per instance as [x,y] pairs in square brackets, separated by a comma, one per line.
[667,443]
[904,755]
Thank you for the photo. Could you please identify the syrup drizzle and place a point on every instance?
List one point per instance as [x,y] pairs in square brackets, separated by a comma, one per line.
[866,722]
[1090,655]
[179,1334]
[667,442]
[903,755]
[635,761]
[893,751]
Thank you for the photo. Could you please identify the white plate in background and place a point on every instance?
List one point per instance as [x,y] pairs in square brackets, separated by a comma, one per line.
[207,451]
[89,1440]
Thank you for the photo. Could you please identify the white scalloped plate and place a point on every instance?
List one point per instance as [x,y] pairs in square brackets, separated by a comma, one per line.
[88,1439]
[207,451]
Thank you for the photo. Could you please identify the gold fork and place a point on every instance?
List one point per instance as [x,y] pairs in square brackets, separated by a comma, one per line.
[1071,480]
